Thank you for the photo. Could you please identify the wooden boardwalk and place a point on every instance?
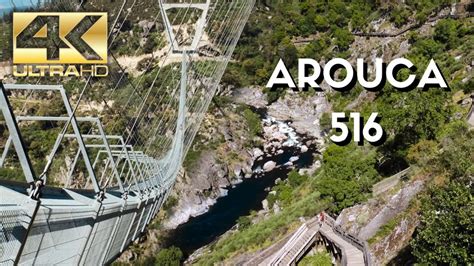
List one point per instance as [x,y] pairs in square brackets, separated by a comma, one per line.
[295,247]
[351,255]
[354,251]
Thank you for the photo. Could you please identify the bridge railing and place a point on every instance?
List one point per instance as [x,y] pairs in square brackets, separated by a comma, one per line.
[289,245]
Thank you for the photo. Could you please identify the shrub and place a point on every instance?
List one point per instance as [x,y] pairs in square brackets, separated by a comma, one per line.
[244,222]
[447,32]
[320,259]
[295,178]
[423,153]
[445,234]
[343,38]
[253,122]
[169,257]
[399,16]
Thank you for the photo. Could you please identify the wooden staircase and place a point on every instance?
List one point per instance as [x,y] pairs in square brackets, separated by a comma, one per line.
[299,247]
[354,251]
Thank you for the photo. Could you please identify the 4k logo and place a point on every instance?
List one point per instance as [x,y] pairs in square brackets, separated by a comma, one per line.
[60,38]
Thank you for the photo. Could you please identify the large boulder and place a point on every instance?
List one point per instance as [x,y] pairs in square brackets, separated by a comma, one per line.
[294,158]
[279,136]
[268,166]
[146,25]
[257,153]
[265,205]
[304,148]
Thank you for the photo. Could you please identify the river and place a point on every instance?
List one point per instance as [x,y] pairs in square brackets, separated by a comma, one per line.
[240,200]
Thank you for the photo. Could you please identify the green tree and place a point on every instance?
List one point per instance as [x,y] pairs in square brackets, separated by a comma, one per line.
[321,23]
[287,51]
[446,32]
[325,122]
[425,48]
[295,178]
[347,173]
[344,193]
[343,38]
[458,150]
[350,163]
[358,20]
[253,122]
[244,222]
[338,13]
[399,16]
[468,87]
[414,115]
[317,47]
[169,257]
[446,231]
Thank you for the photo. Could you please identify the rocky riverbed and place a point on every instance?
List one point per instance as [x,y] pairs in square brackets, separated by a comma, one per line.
[212,180]
[219,169]
[282,151]
[304,112]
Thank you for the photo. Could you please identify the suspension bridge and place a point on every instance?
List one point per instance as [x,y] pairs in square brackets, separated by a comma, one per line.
[86,164]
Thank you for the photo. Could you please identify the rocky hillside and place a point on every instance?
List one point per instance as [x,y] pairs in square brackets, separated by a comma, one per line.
[387,222]
[424,129]
[221,157]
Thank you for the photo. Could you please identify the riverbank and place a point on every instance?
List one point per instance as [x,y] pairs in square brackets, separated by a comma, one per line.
[240,200]
[283,149]
[227,164]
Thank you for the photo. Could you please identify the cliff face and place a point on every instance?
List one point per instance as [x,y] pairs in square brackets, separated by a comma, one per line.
[199,188]
[224,160]
[392,245]
[387,222]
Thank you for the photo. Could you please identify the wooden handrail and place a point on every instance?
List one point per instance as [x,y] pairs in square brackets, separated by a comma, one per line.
[311,228]
[355,241]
